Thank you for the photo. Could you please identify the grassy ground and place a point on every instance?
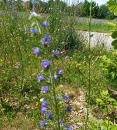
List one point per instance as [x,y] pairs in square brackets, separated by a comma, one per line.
[98,25]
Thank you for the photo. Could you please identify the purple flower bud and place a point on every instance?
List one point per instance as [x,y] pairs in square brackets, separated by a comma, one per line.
[68,127]
[48,115]
[40,78]
[36,50]
[59,71]
[45,23]
[55,53]
[44,89]
[68,107]
[43,123]
[45,64]
[65,97]
[43,109]
[46,40]
[33,30]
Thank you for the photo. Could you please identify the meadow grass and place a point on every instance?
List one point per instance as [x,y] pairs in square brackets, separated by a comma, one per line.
[95,27]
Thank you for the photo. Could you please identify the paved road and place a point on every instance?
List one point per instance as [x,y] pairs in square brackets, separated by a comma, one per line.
[97,38]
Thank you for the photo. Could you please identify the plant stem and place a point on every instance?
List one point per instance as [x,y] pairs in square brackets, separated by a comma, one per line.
[89,67]
[55,101]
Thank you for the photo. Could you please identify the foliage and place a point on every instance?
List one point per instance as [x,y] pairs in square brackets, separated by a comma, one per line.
[108,107]
[112,5]
[109,64]
[104,12]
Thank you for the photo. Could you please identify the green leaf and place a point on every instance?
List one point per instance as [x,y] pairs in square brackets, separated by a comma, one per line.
[114,44]
[114,35]
[113,7]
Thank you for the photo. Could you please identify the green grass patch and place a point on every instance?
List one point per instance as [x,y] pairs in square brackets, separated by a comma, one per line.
[95,27]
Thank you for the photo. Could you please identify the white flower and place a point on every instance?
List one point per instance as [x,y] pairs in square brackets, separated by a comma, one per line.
[33,13]
[42,99]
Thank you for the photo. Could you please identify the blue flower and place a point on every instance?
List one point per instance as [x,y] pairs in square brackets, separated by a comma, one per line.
[44,103]
[43,123]
[44,89]
[40,78]
[68,107]
[36,50]
[46,40]
[43,109]
[55,53]
[59,71]
[65,97]
[45,64]
[68,127]
[48,115]
[45,23]
[33,30]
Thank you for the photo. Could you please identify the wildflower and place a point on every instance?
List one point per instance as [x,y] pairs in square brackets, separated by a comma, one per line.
[43,109]
[44,103]
[33,13]
[42,99]
[65,97]
[36,50]
[33,30]
[44,89]
[45,64]
[55,53]
[40,78]
[55,76]
[45,23]
[46,40]
[48,115]
[59,71]
[43,123]
[68,107]
[68,127]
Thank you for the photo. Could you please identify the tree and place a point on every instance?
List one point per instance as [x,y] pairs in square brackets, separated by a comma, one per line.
[95,9]
[104,12]
[85,8]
